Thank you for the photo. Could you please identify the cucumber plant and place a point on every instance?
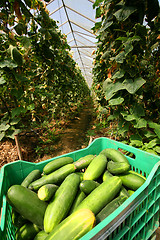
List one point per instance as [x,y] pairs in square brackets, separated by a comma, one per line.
[39,78]
[126,69]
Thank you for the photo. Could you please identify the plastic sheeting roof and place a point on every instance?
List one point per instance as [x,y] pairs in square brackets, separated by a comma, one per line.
[75,19]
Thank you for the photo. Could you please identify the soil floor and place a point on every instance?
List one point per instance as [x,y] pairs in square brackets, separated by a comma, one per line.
[69,136]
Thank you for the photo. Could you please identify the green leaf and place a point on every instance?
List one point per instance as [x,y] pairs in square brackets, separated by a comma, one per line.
[153,143]
[128,48]
[96,3]
[2,134]
[25,41]
[136,140]
[112,88]
[2,80]
[148,134]
[17,111]
[133,85]
[138,110]
[31,106]
[156,128]
[119,74]
[157,149]
[4,127]
[116,101]
[8,63]
[120,57]
[140,123]
[106,25]
[129,117]
[12,133]
[123,13]
[14,121]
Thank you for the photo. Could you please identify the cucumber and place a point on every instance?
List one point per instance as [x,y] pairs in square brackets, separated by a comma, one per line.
[27,204]
[74,226]
[130,192]
[78,199]
[117,167]
[80,174]
[95,168]
[114,155]
[47,191]
[27,231]
[109,208]
[61,203]
[83,162]
[136,173]
[57,163]
[124,192]
[131,181]
[101,195]
[32,176]
[106,175]
[17,220]
[55,177]
[87,186]
[41,235]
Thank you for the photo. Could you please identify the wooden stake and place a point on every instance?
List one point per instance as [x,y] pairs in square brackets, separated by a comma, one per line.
[18,147]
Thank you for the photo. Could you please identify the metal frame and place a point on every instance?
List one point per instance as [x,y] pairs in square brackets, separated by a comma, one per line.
[83,33]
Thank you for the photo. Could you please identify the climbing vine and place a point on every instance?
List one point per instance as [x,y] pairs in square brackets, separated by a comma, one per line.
[39,80]
[126,69]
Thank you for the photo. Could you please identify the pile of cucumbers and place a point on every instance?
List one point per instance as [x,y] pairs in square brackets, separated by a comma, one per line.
[69,198]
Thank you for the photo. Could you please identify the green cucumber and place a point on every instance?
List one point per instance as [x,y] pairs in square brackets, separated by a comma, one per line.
[124,192]
[55,177]
[101,195]
[117,167]
[109,208]
[83,162]
[78,199]
[27,231]
[80,174]
[138,174]
[106,175]
[60,205]
[87,186]
[74,226]
[96,168]
[41,235]
[57,163]
[32,176]
[131,181]
[114,155]
[27,204]
[130,192]
[17,220]
[47,191]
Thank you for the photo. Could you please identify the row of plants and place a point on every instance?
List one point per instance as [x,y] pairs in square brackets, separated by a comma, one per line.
[126,84]
[39,80]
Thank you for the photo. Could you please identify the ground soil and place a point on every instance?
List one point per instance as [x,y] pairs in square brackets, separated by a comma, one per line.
[70,135]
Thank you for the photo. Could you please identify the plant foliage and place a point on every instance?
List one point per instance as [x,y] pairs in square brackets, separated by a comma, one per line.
[39,79]
[126,69]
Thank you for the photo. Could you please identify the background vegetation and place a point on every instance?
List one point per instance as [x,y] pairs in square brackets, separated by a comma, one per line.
[126,70]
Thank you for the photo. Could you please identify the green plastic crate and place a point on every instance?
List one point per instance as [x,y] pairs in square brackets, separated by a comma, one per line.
[136,219]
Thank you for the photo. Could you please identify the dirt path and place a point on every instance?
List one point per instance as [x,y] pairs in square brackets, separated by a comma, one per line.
[71,137]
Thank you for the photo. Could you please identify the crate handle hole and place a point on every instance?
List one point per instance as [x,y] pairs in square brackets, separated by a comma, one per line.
[127,153]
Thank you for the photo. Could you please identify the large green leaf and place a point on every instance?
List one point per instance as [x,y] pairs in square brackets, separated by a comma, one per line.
[156,128]
[140,123]
[133,85]
[8,63]
[137,110]
[2,80]
[116,101]
[2,134]
[112,89]
[119,74]
[106,25]
[123,13]
[136,140]
[120,57]
[4,127]
[17,111]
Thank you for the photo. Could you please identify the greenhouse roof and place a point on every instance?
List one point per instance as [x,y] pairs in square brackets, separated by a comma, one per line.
[75,19]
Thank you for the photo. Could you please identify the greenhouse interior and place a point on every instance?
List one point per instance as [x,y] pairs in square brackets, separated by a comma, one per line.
[80,119]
